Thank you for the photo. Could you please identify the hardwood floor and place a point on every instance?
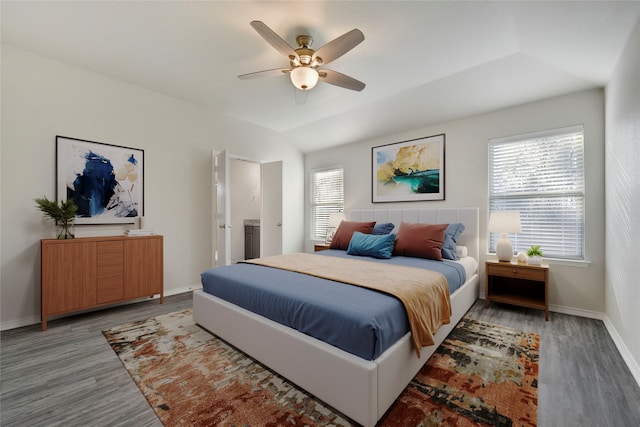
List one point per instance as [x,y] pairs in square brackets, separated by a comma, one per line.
[69,376]
[583,380]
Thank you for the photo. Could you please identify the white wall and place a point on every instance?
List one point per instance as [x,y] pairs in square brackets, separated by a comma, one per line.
[577,289]
[42,98]
[623,200]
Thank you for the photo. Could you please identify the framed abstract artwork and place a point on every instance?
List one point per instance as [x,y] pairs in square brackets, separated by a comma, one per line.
[105,181]
[408,171]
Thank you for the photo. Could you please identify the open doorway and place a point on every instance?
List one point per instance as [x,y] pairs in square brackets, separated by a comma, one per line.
[247,208]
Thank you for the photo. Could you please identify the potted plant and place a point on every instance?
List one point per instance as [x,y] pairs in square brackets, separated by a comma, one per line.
[535,255]
[62,214]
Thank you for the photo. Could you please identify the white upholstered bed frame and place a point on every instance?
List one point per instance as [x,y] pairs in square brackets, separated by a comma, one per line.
[361,389]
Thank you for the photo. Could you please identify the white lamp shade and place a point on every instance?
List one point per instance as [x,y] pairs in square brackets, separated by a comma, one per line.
[335,219]
[304,78]
[505,222]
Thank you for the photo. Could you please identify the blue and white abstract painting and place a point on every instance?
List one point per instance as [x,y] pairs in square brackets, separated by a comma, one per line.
[105,181]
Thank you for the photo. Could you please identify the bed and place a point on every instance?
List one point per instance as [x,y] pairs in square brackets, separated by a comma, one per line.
[360,388]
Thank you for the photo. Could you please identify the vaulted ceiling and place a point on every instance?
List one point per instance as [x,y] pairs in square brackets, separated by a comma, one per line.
[423,62]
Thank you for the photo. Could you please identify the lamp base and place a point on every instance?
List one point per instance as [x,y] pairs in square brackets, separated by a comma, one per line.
[504,249]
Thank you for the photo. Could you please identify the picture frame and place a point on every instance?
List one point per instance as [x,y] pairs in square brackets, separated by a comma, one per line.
[106,181]
[409,171]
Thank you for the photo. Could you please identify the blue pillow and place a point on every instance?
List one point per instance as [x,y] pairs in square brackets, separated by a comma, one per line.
[382,228]
[380,246]
[451,240]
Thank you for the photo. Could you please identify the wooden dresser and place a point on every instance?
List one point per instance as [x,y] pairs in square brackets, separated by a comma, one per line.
[89,272]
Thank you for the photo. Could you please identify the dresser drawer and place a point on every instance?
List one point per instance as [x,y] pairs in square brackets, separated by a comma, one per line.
[516,272]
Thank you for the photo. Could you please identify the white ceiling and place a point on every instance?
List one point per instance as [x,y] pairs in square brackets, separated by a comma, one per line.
[423,62]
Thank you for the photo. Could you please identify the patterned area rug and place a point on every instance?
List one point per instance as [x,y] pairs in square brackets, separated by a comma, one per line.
[482,375]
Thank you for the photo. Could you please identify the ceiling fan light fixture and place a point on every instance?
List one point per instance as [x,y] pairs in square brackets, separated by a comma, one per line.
[304,61]
[304,78]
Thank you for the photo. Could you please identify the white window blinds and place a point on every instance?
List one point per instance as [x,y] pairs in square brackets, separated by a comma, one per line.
[541,176]
[327,196]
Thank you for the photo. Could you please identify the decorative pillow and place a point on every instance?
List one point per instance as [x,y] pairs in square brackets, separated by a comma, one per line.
[420,240]
[451,239]
[377,246]
[345,230]
[383,228]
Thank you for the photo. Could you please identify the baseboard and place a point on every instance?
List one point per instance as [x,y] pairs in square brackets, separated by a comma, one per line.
[33,320]
[576,312]
[18,323]
[632,364]
[569,310]
[182,290]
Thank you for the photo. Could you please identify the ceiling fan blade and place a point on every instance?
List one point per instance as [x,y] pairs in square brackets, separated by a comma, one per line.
[338,47]
[265,73]
[338,79]
[274,40]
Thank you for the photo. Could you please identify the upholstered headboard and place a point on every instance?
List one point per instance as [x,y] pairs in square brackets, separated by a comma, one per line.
[468,216]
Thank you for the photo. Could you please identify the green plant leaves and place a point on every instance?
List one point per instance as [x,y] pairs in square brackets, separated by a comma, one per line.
[60,213]
[534,251]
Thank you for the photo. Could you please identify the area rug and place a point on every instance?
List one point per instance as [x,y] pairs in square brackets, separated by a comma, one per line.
[482,375]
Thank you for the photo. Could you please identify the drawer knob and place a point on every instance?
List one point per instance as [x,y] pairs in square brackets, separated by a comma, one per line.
[515,271]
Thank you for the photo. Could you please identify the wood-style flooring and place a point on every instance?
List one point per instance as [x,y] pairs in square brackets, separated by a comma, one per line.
[69,376]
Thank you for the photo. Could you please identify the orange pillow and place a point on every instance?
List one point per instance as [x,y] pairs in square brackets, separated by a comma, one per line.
[345,230]
[420,240]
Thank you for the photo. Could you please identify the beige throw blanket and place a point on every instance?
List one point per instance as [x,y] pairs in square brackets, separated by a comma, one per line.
[424,293]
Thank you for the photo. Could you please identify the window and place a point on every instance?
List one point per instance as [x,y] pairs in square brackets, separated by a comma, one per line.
[327,196]
[541,175]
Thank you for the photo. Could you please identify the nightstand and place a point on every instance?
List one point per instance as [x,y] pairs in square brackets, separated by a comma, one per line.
[517,284]
[320,247]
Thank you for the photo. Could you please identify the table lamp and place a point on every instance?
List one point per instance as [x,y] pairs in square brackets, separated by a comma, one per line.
[335,219]
[332,224]
[504,222]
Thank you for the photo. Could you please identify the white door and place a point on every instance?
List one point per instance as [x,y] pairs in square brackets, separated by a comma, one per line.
[222,210]
[271,218]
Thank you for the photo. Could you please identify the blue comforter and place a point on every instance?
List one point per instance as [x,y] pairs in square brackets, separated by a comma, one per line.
[360,321]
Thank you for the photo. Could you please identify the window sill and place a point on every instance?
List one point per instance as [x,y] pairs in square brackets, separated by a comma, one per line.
[583,263]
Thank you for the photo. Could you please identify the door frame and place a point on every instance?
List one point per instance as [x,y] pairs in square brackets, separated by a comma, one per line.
[214,200]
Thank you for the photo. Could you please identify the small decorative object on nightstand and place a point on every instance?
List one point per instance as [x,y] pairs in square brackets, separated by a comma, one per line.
[524,285]
[320,247]
[535,255]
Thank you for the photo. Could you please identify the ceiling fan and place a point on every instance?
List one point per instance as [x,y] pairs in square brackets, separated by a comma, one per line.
[304,61]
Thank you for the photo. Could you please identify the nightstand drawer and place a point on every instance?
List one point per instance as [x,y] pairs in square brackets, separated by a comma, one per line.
[516,272]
